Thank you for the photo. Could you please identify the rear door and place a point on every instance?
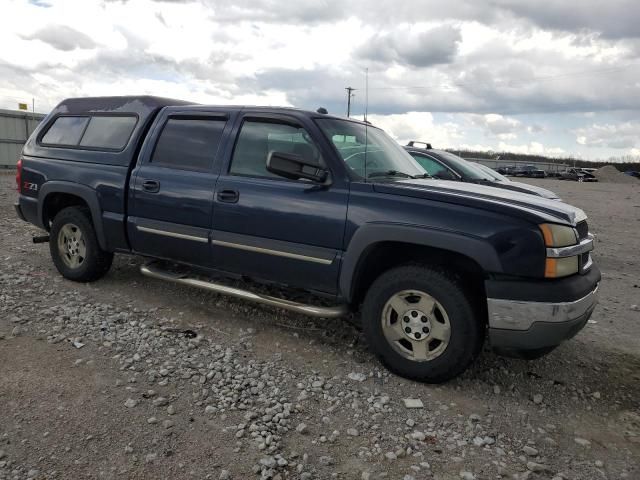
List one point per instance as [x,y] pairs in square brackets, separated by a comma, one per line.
[171,193]
[272,228]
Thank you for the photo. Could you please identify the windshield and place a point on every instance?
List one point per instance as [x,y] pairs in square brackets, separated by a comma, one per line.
[357,143]
[492,172]
[464,167]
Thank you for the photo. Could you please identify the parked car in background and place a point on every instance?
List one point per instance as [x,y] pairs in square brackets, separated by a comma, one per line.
[506,170]
[632,173]
[530,171]
[447,166]
[503,182]
[578,175]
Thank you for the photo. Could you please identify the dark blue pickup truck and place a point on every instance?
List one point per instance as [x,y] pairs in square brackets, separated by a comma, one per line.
[308,201]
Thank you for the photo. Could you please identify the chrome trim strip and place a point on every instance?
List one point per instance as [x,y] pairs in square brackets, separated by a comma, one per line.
[311,310]
[584,246]
[268,251]
[172,234]
[520,315]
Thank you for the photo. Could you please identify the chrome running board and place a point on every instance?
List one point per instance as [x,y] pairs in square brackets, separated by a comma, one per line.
[151,270]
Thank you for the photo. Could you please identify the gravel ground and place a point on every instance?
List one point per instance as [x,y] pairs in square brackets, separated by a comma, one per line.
[130,377]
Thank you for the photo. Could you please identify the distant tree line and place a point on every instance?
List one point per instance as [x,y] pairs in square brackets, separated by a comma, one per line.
[622,163]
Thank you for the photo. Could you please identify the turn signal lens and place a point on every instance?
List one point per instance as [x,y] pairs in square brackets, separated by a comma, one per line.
[560,267]
[558,235]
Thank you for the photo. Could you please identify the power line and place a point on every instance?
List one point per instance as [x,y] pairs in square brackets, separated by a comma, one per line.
[528,80]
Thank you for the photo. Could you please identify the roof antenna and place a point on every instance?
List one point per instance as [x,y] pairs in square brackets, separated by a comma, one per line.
[366,94]
[366,122]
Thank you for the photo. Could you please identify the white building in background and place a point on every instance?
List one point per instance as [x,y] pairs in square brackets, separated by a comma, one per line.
[550,167]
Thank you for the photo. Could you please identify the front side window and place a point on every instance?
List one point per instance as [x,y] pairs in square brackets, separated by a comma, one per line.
[464,167]
[368,151]
[188,143]
[258,138]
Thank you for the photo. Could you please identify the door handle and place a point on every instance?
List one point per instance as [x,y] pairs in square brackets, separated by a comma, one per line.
[228,196]
[151,186]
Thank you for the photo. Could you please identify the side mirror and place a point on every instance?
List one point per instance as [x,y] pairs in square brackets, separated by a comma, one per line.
[295,167]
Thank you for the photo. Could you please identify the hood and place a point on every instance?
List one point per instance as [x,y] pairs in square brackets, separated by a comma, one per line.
[510,202]
[532,189]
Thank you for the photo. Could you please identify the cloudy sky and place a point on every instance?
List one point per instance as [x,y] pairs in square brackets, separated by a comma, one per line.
[559,79]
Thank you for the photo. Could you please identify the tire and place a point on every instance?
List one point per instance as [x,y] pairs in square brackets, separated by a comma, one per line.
[428,359]
[74,246]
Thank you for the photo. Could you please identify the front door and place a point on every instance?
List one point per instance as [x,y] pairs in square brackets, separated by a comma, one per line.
[171,195]
[268,227]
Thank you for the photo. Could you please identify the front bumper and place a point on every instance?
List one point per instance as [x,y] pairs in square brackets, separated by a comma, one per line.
[519,324]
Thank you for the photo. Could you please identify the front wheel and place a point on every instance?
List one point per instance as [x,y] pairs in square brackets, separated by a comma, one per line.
[422,324]
[74,246]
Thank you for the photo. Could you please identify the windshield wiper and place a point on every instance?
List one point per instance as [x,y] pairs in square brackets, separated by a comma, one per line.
[423,175]
[390,173]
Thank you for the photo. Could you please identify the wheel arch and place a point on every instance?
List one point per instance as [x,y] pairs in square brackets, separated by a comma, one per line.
[56,195]
[382,247]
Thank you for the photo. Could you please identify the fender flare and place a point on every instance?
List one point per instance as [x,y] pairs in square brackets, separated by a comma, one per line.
[87,194]
[368,235]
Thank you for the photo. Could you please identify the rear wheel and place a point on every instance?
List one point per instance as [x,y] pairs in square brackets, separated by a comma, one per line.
[422,324]
[74,246]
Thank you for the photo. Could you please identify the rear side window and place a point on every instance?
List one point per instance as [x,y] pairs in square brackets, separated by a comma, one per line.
[66,131]
[108,132]
[188,143]
[91,132]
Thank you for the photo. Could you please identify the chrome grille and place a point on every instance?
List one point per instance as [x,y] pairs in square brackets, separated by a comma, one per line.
[585,258]
[583,229]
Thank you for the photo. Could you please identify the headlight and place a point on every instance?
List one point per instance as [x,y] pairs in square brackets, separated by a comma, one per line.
[557,236]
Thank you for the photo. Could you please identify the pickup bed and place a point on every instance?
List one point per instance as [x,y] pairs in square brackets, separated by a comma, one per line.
[308,201]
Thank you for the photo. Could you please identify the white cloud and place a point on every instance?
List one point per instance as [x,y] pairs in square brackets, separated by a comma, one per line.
[503,127]
[418,126]
[619,136]
[408,46]
[532,148]
[62,37]
[492,64]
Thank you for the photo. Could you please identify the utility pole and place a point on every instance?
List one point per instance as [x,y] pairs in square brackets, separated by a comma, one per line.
[349,95]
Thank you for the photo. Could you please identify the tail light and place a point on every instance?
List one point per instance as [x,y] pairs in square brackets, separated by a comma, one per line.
[19,176]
